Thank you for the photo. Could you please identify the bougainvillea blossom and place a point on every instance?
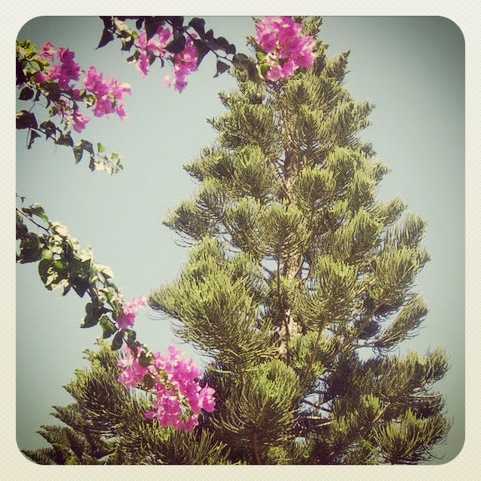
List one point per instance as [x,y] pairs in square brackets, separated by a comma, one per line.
[179,398]
[286,47]
[185,63]
[154,46]
[129,310]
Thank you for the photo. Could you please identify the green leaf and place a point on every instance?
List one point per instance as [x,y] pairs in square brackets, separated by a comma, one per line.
[151,25]
[198,25]
[100,147]
[221,68]
[107,34]
[64,139]
[26,120]
[108,327]
[30,248]
[202,50]
[37,210]
[117,341]
[176,45]
[33,135]
[148,381]
[49,128]
[26,93]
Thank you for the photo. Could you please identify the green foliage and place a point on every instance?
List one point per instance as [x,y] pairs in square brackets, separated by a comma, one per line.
[205,42]
[28,64]
[298,289]
[63,264]
[296,268]
[106,425]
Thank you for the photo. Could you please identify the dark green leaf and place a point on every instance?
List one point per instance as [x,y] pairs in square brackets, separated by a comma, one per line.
[37,210]
[30,248]
[43,267]
[134,57]
[177,22]
[145,359]
[80,286]
[26,93]
[26,120]
[33,135]
[221,68]
[151,26]
[176,45]
[49,128]
[20,74]
[202,50]
[117,341]
[78,152]
[108,327]
[148,381]
[64,139]
[127,43]
[198,25]
[222,44]
[107,35]
[93,314]
[21,228]
[131,337]
[52,91]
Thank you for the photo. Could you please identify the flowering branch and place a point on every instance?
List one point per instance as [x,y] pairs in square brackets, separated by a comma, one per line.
[53,76]
[179,398]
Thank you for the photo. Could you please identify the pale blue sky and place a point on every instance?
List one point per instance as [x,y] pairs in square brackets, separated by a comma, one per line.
[411,68]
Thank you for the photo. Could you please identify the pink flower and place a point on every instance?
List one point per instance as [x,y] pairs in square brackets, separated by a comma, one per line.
[68,69]
[40,77]
[286,48]
[79,120]
[47,51]
[179,397]
[93,82]
[154,46]
[185,63]
[129,310]
[108,93]
[143,63]
[132,372]
[206,399]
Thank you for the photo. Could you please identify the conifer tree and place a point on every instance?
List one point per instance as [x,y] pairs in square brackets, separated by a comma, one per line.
[300,282]
[299,289]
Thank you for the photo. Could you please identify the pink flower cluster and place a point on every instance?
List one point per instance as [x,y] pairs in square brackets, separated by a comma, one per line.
[129,310]
[108,93]
[156,46]
[64,71]
[179,397]
[185,63]
[286,47]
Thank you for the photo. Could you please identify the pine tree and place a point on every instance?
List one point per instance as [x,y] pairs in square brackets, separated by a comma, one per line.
[106,425]
[300,282]
[299,288]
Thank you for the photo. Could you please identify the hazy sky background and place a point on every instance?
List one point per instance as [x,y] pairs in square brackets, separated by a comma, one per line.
[411,68]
